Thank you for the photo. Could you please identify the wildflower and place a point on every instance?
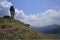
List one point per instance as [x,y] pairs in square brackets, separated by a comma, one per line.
[4,33]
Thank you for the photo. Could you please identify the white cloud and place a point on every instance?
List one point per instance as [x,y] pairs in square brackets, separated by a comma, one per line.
[4,7]
[4,3]
[48,17]
[19,14]
[3,0]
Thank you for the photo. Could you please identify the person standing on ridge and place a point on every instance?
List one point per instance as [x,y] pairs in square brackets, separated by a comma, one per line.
[12,11]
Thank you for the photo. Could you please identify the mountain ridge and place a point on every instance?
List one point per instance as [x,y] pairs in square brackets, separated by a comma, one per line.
[50,29]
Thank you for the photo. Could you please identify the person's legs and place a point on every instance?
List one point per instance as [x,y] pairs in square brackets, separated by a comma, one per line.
[12,14]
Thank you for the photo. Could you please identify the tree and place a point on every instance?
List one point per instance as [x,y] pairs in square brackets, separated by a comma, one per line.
[12,11]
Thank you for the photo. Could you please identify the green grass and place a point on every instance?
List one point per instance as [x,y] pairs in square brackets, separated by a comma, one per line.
[1,20]
[7,17]
[19,31]
[53,36]
[4,26]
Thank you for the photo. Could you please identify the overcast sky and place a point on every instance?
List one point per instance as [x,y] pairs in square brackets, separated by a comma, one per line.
[33,12]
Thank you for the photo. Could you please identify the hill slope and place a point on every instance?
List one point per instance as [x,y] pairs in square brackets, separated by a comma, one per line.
[14,29]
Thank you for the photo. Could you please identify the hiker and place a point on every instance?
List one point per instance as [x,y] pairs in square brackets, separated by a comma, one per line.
[12,11]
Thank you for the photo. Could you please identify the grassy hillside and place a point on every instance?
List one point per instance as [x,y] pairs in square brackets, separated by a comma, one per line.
[12,29]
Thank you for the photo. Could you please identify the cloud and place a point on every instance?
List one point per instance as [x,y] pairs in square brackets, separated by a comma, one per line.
[3,0]
[4,7]
[48,17]
[19,14]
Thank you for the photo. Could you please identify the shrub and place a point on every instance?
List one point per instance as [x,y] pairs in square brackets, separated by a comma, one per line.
[6,16]
[1,20]
[27,25]
[4,26]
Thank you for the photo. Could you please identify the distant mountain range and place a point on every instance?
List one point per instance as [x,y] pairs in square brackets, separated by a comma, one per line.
[50,29]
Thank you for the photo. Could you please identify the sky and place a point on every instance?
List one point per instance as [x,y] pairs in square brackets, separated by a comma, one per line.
[34,12]
[35,6]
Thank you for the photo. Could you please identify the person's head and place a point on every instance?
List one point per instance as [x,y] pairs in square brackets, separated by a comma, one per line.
[12,8]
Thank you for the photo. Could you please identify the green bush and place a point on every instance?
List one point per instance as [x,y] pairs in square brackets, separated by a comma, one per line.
[1,20]
[27,25]
[4,26]
[6,16]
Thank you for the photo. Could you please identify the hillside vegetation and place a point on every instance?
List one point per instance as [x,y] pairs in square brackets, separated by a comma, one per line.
[12,29]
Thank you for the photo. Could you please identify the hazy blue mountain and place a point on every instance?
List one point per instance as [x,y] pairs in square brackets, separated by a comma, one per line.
[50,29]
